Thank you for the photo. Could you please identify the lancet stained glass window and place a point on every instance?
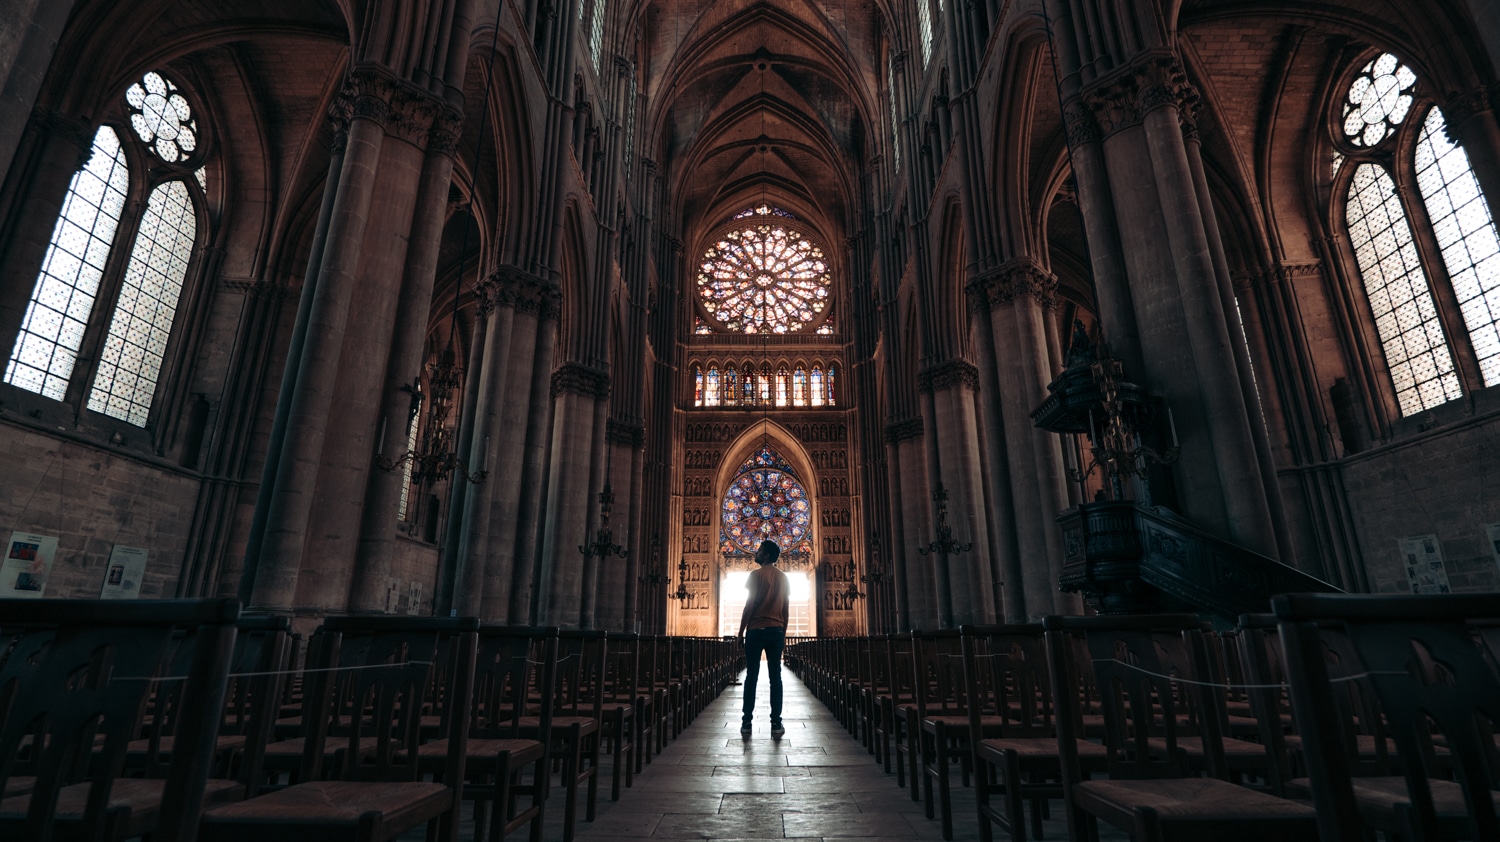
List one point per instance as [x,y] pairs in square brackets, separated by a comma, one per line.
[765,501]
[817,386]
[799,387]
[1400,300]
[52,329]
[763,277]
[132,355]
[1466,234]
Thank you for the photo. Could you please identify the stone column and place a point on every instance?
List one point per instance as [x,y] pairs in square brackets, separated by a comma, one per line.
[996,465]
[383,494]
[533,470]
[955,440]
[576,392]
[1018,294]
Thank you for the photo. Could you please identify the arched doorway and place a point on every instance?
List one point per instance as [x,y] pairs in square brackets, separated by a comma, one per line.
[764,499]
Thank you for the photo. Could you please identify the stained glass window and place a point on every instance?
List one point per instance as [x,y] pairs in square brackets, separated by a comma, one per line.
[161,117]
[52,329]
[411,447]
[1378,100]
[700,327]
[749,387]
[1466,233]
[817,386]
[763,278]
[763,210]
[711,388]
[890,67]
[596,31]
[765,383]
[132,355]
[783,384]
[697,387]
[1401,301]
[826,328]
[924,29]
[831,401]
[765,501]
[731,387]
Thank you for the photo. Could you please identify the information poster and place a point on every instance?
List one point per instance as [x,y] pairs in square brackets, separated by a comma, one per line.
[26,566]
[122,576]
[1422,555]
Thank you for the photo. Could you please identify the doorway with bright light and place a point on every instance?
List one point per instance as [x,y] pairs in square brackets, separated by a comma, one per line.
[732,596]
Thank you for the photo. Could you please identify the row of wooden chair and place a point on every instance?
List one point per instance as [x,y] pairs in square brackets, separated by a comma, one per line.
[173,719]
[1332,717]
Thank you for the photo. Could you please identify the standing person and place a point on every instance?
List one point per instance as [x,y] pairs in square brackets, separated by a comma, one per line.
[763,628]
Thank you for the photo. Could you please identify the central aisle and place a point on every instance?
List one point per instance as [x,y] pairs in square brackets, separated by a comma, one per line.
[816,782]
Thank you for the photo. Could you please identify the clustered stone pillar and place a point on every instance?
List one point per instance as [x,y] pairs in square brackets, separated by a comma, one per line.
[1165,303]
[581,394]
[1014,301]
[379,255]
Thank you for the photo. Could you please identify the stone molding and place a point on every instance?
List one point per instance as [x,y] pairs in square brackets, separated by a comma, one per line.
[1282,273]
[1123,98]
[403,110]
[255,288]
[1459,107]
[899,431]
[76,131]
[948,374]
[1013,280]
[630,433]
[579,379]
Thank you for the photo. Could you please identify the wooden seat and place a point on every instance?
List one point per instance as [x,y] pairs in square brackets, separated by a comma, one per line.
[376,670]
[77,669]
[1153,791]
[1424,672]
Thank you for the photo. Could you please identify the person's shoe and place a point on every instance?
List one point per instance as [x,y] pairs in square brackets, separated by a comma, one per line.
[745,730]
[777,732]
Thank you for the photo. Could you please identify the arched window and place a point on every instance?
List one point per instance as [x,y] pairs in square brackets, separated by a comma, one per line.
[816,386]
[765,383]
[831,401]
[144,298]
[799,387]
[711,389]
[731,387]
[697,386]
[1419,336]
[783,383]
[749,387]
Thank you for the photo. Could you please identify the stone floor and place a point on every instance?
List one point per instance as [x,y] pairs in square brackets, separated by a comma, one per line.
[816,783]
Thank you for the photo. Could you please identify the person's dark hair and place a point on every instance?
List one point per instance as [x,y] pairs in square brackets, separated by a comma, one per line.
[768,553]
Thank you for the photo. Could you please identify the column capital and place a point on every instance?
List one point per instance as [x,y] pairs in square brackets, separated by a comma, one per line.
[75,131]
[404,110]
[904,430]
[580,379]
[1154,79]
[948,374]
[511,286]
[1458,108]
[1011,281]
[630,433]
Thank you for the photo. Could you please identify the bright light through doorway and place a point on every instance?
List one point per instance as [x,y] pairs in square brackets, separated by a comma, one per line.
[732,595]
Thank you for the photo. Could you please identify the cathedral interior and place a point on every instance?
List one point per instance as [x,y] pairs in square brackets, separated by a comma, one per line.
[547,312]
[357,306]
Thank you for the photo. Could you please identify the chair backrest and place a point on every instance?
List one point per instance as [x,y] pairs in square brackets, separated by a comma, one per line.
[937,672]
[623,673]
[1137,663]
[81,668]
[1005,675]
[1264,674]
[515,677]
[580,671]
[375,673]
[1420,660]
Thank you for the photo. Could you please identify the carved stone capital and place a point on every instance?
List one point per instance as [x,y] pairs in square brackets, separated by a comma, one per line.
[1080,124]
[630,433]
[509,286]
[1009,282]
[405,111]
[1154,80]
[74,131]
[948,374]
[1460,107]
[900,431]
[580,379]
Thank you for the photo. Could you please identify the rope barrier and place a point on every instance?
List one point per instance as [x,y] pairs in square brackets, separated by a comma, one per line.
[1229,686]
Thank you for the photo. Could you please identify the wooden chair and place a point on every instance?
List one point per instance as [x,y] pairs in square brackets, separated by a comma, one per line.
[1438,696]
[1152,673]
[81,669]
[621,705]
[577,722]
[375,671]
[938,721]
[1005,670]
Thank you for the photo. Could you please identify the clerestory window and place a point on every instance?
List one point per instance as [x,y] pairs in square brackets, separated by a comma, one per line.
[78,275]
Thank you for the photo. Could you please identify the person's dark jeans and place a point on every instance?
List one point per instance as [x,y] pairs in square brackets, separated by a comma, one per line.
[771,642]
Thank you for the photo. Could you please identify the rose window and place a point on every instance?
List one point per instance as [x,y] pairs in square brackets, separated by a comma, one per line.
[1378,100]
[162,118]
[763,277]
[765,501]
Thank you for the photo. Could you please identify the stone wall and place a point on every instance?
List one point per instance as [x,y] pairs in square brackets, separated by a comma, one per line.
[92,499]
[1445,482]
